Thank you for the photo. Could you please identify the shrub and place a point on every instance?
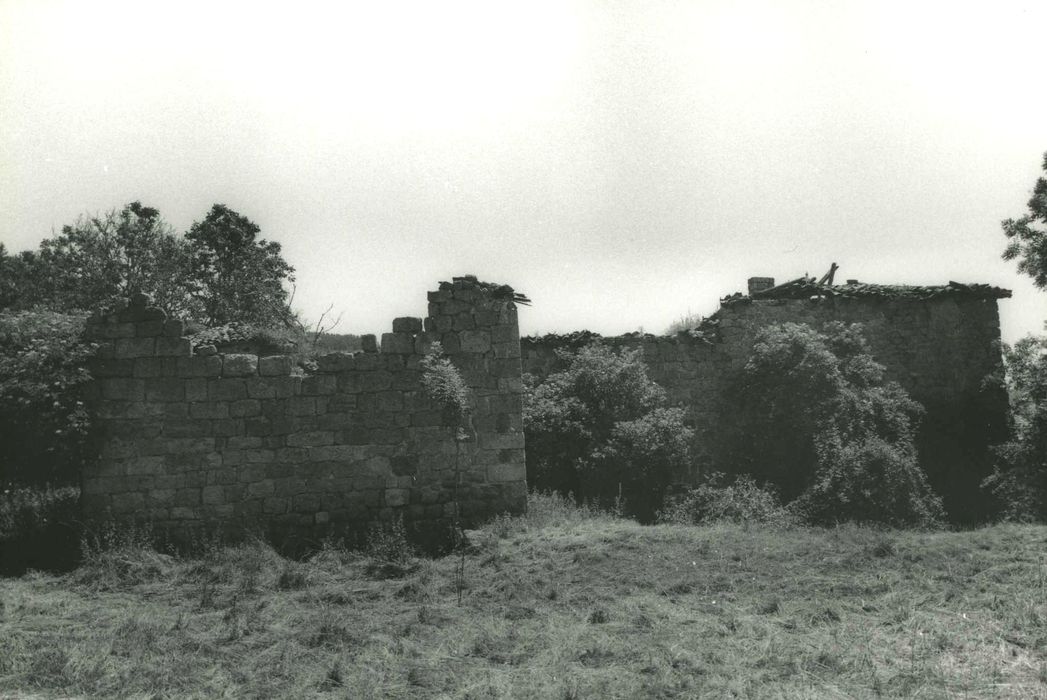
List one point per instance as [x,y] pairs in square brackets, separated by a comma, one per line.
[600,428]
[1019,479]
[718,500]
[817,419]
[39,528]
[871,481]
[43,422]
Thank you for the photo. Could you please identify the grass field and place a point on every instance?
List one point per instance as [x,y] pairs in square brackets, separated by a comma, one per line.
[557,604]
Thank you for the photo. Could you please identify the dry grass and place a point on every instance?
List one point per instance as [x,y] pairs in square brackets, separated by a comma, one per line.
[559,604]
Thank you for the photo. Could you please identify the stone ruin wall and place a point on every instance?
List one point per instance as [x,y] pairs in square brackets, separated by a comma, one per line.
[237,440]
[940,349]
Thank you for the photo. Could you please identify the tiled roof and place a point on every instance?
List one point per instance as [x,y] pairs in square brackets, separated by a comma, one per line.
[807,287]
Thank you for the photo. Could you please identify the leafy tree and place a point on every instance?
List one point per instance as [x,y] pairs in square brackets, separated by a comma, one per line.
[238,275]
[102,258]
[1019,481]
[601,425]
[17,281]
[1028,237]
[43,421]
[817,420]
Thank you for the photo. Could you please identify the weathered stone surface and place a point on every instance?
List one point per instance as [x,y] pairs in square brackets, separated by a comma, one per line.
[173,347]
[239,365]
[213,437]
[274,366]
[397,343]
[369,343]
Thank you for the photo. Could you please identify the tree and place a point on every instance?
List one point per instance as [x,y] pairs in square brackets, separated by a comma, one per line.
[817,420]
[238,275]
[600,427]
[1028,237]
[99,259]
[1019,481]
[17,281]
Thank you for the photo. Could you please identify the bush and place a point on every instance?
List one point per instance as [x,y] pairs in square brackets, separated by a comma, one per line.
[872,481]
[43,422]
[600,429]
[1019,480]
[742,501]
[817,420]
[39,528]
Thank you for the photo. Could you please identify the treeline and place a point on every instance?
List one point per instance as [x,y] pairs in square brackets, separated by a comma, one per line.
[218,271]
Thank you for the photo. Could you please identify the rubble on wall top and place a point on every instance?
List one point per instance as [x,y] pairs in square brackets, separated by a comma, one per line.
[493,289]
[808,287]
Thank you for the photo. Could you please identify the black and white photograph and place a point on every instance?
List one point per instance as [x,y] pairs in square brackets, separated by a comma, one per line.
[559,349]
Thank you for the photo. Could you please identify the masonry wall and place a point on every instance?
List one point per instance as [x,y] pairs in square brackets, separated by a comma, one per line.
[942,350]
[227,441]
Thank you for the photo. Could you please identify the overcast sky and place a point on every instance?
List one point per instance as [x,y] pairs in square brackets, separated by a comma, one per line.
[622,163]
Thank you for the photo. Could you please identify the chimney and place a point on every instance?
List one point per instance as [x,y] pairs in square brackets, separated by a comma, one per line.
[758,284]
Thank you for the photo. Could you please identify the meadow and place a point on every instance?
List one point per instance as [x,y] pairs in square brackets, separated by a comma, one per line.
[560,603]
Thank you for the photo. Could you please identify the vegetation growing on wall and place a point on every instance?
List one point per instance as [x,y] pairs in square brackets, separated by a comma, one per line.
[601,428]
[816,418]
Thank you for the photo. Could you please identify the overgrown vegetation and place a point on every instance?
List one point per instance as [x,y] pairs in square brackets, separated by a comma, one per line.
[561,602]
[219,271]
[817,419]
[1019,481]
[44,425]
[601,430]
[39,528]
[740,501]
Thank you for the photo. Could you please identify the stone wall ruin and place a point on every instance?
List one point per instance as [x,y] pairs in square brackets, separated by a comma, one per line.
[229,441]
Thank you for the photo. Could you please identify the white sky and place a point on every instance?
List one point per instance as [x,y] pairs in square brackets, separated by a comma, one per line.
[620,162]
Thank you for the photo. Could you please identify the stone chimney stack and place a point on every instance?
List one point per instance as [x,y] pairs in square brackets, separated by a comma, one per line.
[759,284]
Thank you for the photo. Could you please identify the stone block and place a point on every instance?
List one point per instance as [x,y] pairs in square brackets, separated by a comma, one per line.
[112,331]
[143,466]
[369,343]
[209,409]
[212,495]
[475,341]
[245,408]
[389,400]
[276,505]
[301,406]
[197,366]
[174,328]
[397,343]
[501,441]
[336,362]
[107,367]
[196,389]
[463,322]
[174,347]
[239,365]
[118,389]
[129,348]
[407,324]
[365,362]
[375,381]
[310,439]
[163,390]
[226,389]
[318,385]
[127,503]
[395,498]
[306,503]
[503,473]
[149,329]
[260,489]
[274,366]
